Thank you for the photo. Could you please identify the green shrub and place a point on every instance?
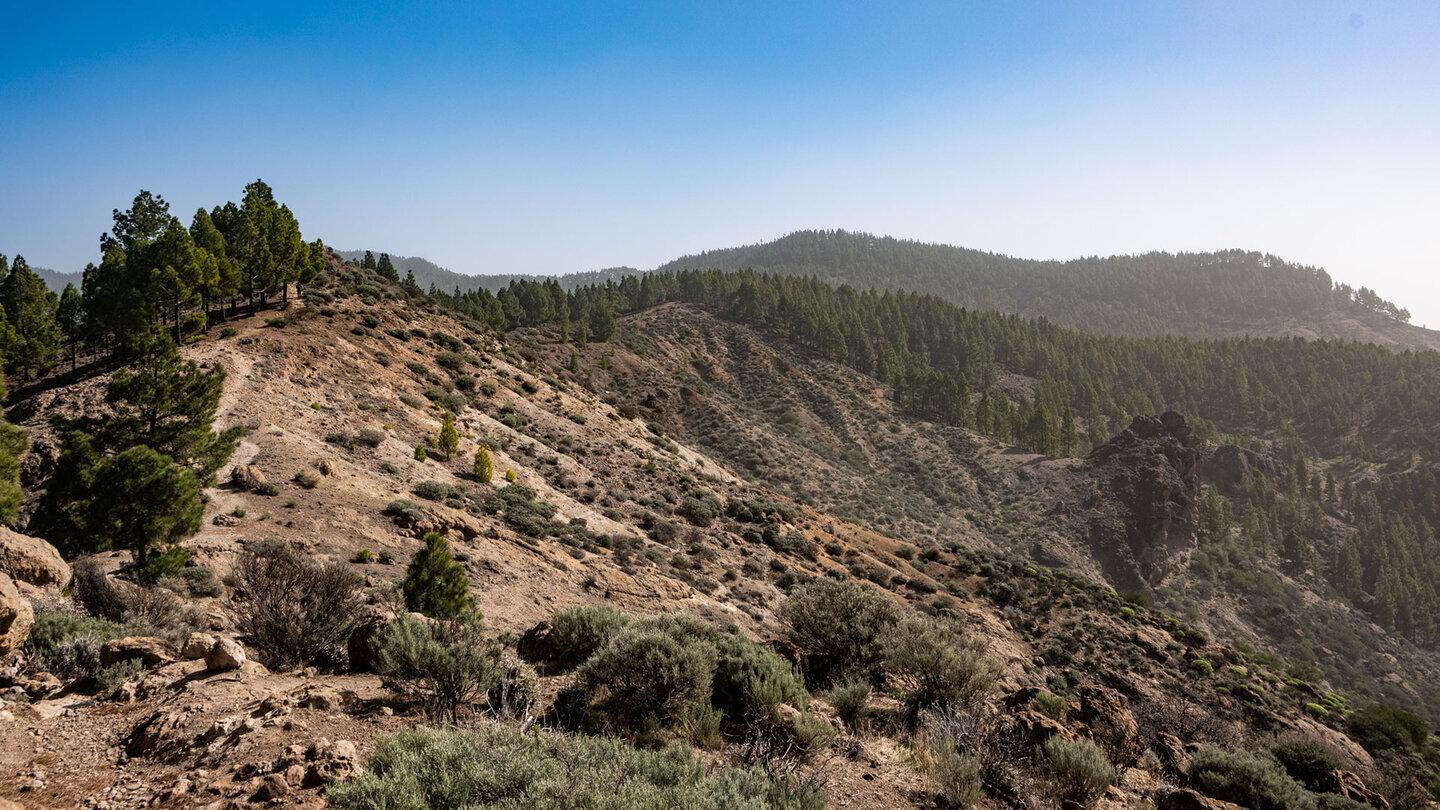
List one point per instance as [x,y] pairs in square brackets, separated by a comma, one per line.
[114,676]
[653,671]
[1307,761]
[363,556]
[751,681]
[268,489]
[839,627]
[420,454]
[851,700]
[1201,666]
[577,632]
[1317,711]
[1077,771]
[1247,780]
[1383,728]
[387,557]
[370,437]
[412,400]
[700,507]
[501,767]
[946,668]
[67,644]
[435,585]
[448,663]
[700,724]
[156,567]
[437,491]
[1050,704]
[956,776]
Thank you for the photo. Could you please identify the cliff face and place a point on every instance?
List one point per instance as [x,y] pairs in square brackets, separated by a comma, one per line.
[1150,475]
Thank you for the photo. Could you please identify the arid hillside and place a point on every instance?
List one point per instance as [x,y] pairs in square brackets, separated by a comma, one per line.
[689,466]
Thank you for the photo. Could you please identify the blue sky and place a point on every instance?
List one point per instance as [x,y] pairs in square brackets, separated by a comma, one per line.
[552,137]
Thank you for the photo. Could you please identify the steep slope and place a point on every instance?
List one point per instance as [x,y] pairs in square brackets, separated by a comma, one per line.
[641,467]
[1201,295]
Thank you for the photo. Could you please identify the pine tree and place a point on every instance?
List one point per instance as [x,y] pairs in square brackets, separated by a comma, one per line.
[144,501]
[386,268]
[70,317]
[369,261]
[13,444]
[30,310]
[449,441]
[484,466]
[435,585]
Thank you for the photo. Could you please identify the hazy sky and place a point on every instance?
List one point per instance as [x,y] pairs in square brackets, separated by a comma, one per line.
[547,137]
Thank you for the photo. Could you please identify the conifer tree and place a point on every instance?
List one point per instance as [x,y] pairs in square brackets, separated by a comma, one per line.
[30,310]
[484,466]
[70,318]
[435,585]
[449,441]
[386,268]
[13,444]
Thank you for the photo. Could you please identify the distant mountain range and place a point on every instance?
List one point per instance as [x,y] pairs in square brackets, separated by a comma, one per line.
[428,274]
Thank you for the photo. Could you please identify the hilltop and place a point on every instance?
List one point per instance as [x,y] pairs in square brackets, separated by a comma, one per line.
[1199,295]
[697,463]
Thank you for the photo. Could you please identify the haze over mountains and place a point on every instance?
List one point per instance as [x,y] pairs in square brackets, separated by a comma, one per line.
[1229,293]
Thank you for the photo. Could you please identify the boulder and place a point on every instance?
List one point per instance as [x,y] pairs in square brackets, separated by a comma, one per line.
[16,616]
[148,650]
[1173,756]
[331,761]
[225,653]
[197,646]
[247,476]
[32,561]
[1107,713]
[1351,786]
[1190,800]
[360,647]
[1037,728]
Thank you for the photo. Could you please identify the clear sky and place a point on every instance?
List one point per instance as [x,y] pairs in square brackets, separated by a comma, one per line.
[548,137]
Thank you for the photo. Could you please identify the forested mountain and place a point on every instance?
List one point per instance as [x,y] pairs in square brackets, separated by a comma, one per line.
[427,274]
[1222,294]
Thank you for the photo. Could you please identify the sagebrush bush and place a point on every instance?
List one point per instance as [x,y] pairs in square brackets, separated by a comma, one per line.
[67,644]
[1050,704]
[839,627]
[1307,761]
[1247,780]
[500,767]
[307,478]
[652,671]
[294,609]
[1077,771]
[370,437]
[751,681]
[448,664]
[945,666]
[851,700]
[516,695]
[577,632]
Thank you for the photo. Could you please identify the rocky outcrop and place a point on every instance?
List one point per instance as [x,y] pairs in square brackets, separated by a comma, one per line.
[148,650]
[32,561]
[1230,466]
[16,616]
[1351,786]
[1148,518]
[1107,714]
[1190,800]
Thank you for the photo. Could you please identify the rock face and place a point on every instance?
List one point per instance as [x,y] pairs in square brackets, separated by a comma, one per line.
[32,561]
[148,650]
[1230,465]
[1107,713]
[16,616]
[1190,800]
[1350,786]
[1153,482]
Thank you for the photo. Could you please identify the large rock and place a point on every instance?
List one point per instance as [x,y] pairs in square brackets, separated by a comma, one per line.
[1190,800]
[360,646]
[1351,786]
[247,476]
[148,650]
[1230,466]
[1173,756]
[225,653]
[197,646]
[1037,728]
[32,561]
[1112,725]
[16,616]
[1149,516]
